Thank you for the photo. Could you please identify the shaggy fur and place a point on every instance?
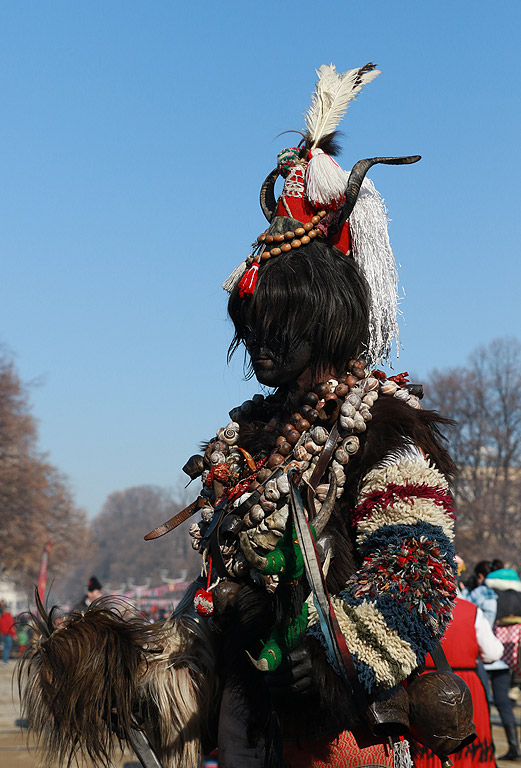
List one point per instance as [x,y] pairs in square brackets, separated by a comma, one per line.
[85,681]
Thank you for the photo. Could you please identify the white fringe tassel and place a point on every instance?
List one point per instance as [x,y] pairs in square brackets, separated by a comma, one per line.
[231,281]
[325,179]
[373,253]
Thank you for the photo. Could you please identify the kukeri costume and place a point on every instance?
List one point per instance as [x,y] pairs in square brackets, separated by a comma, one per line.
[324,520]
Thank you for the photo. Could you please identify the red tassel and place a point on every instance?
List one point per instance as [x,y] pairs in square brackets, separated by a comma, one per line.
[249,281]
[203,602]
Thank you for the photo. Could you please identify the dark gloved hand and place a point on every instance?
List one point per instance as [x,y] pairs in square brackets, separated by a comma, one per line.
[295,674]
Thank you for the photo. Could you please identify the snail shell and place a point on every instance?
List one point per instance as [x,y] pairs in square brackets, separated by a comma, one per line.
[388,387]
[359,423]
[321,491]
[306,476]
[339,472]
[413,401]
[230,433]
[283,484]
[271,492]
[277,521]
[195,530]
[351,445]
[371,384]
[256,513]
[341,456]
[217,457]
[339,491]
[204,476]
[301,454]
[347,410]
[267,506]
[370,398]
[311,447]
[402,394]
[332,384]
[265,539]
[196,544]
[353,399]
[366,414]
[207,514]
[347,423]
[319,435]
[271,583]
[248,522]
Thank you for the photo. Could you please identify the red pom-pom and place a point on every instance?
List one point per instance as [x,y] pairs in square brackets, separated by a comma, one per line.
[249,281]
[203,602]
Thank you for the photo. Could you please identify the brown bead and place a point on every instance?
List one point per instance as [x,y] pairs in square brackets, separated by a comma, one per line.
[300,231]
[312,415]
[263,475]
[274,460]
[296,243]
[342,390]
[287,428]
[321,390]
[285,448]
[253,486]
[275,251]
[293,437]
[279,238]
[303,425]
[315,219]
[295,418]
[308,225]
[307,412]
[351,380]
[280,439]
[331,396]
[310,399]
[289,235]
[321,214]
[269,238]
[304,240]
[286,247]
[265,255]
[313,233]
[261,238]
[359,373]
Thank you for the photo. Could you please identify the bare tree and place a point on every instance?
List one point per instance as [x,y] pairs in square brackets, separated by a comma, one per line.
[484,398]
[36,503]
[120,553]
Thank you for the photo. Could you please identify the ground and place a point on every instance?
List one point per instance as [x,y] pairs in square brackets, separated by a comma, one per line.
[16,752]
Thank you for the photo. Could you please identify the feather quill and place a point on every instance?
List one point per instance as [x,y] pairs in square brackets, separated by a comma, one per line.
[331,98]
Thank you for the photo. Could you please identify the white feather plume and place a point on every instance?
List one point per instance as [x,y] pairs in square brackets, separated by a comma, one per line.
[331,98]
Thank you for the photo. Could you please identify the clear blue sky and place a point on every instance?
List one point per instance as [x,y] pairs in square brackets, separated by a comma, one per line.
[133,140]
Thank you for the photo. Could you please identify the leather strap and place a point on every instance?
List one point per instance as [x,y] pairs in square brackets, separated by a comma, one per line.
[320,468]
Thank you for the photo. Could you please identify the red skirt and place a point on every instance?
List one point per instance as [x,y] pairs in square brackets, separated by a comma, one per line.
[342,752]
[481,751]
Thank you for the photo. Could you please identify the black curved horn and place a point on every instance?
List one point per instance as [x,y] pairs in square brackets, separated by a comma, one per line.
[357,176]
[267,195]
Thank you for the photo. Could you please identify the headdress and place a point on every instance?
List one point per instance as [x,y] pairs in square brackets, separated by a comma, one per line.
[317,204]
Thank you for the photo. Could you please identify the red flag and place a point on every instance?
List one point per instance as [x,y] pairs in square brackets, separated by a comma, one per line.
[42,575]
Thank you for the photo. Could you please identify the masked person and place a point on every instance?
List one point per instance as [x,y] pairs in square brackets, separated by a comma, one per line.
[324,519]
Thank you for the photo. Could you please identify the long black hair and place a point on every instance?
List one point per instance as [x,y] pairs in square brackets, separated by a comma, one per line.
[313,294]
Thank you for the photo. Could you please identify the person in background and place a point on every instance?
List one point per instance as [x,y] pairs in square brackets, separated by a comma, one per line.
[468,636]
[93,592]
[7,632]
